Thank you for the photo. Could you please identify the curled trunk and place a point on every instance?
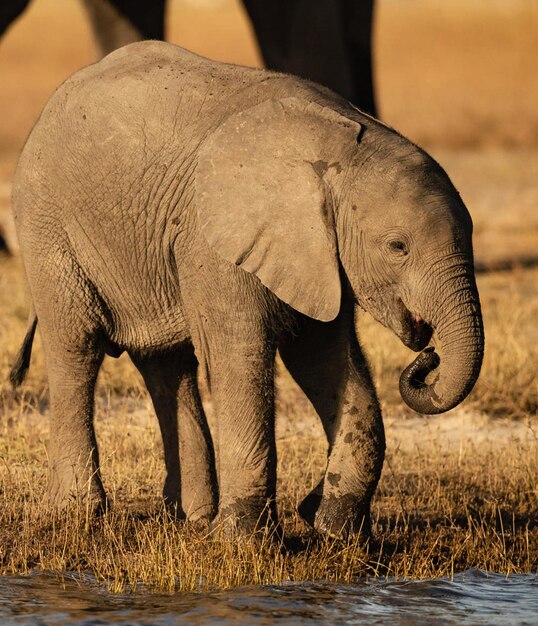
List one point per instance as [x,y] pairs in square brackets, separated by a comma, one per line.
[458,324]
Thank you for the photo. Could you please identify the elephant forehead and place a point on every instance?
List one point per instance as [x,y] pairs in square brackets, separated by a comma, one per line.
[407,198]
[427,217]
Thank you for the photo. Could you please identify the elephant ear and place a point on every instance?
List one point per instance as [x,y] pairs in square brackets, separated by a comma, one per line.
[262,202]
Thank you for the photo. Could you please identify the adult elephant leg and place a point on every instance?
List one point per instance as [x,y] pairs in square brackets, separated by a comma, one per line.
[358,22]
[190,485]
[326,361]
[10,11]
[73,453]
[116,23]
[70,317]
[303,37]
[327,41]
[242,386]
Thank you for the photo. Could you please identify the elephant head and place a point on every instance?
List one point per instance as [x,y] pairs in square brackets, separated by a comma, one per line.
[318,200]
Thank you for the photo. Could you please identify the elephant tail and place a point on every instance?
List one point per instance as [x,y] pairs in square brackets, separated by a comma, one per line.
[22,362]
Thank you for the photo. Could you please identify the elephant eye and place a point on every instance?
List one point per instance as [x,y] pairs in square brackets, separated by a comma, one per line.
[398,247]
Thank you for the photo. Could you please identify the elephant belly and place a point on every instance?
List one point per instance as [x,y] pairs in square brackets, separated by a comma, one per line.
[139,330]
[142,321]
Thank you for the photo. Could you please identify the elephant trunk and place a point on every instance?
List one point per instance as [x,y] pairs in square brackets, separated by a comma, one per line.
[458,324]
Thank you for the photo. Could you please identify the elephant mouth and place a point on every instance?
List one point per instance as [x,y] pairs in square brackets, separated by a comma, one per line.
[416,332]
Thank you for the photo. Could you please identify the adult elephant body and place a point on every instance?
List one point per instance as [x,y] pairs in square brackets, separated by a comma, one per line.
[190,212]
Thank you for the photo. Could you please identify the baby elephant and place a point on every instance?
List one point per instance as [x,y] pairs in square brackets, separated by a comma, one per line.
[195,213]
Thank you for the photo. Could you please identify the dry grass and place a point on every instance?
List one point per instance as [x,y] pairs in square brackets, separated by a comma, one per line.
[439,509]
[457,491]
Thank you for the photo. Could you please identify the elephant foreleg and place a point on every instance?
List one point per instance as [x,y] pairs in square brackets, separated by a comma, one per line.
[327,363]
[190,485]
[242,386]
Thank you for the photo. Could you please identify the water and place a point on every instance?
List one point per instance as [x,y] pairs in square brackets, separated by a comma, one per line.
[470,598]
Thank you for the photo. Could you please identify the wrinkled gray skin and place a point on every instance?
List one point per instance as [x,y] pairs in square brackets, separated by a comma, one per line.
[191,212]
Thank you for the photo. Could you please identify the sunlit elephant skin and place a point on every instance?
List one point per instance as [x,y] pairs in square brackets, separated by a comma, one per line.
[196,213]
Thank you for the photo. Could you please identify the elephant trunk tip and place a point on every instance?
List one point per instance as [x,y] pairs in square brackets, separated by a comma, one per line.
[416,392]
[432,398]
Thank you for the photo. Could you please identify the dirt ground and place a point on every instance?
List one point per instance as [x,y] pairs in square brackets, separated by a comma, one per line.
[460,79]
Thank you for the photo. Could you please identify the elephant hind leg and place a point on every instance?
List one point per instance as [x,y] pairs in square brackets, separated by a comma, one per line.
[70,325]
[73,454]
[116,23]
[190,484]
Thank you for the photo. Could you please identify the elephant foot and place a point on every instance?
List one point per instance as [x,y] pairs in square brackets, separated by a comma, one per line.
[202,513]
[336,516]
[247,517]
[200,503]
[93,504]
[66,492]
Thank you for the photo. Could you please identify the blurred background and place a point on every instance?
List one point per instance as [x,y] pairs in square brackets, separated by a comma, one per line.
[460,78]
[460,73]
